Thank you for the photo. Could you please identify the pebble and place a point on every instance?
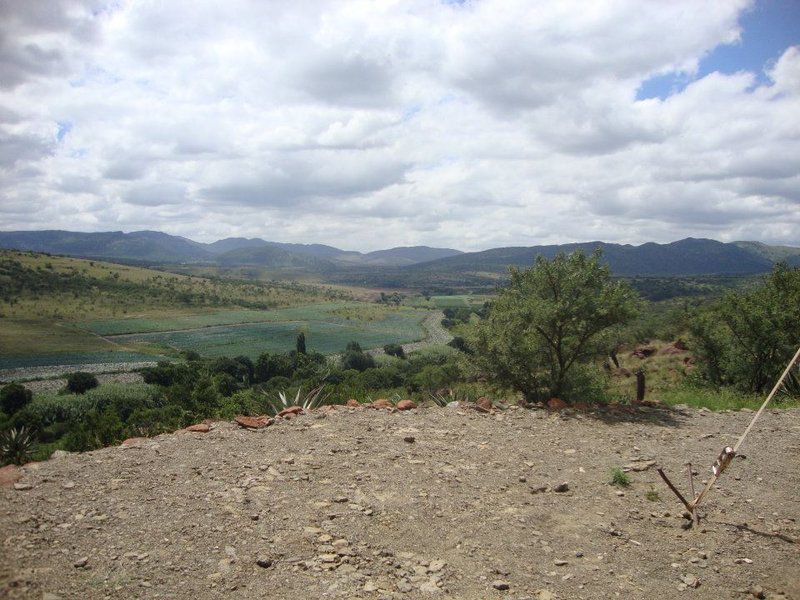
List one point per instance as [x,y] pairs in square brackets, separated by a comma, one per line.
[500,585]
[264,563]
[81,562]
[410,439]
[22,486]
[561,488]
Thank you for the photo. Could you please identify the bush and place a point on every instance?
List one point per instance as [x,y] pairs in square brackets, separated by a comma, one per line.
[394,350]
[355,358]
[80,382]
[13,397]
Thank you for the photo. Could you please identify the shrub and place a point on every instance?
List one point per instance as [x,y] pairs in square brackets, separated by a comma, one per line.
[13,397]
[225,384]
[80,382]
[619,477]
[355,358]
[394,350]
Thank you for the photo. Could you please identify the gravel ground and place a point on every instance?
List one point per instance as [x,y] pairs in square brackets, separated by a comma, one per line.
[440,503]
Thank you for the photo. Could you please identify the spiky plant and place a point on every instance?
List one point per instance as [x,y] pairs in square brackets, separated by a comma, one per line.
[306,401]
[16,446]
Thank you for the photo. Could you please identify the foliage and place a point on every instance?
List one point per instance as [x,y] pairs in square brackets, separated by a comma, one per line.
[81,382]
[394,350]
[550,318]
[620,478]
[16,446]
[747,338]
[13,397]
[301,343]
[355,358]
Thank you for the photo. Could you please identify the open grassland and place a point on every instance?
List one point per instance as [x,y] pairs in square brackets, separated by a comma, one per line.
[453,301]
[44,287]
[327,327]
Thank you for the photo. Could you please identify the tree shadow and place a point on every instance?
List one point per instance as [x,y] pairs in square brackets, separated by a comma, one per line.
[628,413]
[766,534]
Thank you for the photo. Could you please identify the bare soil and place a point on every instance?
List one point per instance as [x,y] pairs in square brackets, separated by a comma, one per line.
[439,503]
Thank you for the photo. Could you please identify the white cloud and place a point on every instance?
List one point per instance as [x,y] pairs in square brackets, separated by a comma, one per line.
[374,124]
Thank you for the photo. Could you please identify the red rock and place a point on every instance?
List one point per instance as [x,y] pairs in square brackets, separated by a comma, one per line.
[9,475]
[254,422]
[353,403]
[582,407]
[132,441]
[199,428]
[406,405]
[292,410]
[484,404]
[556,404]
[382,403]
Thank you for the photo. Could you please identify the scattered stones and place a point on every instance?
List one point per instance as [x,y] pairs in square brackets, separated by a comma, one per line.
[406,405]
[501,585]
[9,475]
[199,428]
[484,404]
[264,563]
[382,403]
[254,422]
[291,411]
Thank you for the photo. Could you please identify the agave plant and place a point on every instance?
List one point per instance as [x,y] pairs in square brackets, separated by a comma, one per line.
[306,401]
[16,446]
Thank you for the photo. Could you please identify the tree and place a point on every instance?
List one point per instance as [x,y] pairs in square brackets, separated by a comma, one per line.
[747,338]
[301,343]
[80,382]
[13,397]
[394,350]
[550,318]
[355,358]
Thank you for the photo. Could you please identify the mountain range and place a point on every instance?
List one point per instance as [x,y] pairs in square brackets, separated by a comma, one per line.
[684,257]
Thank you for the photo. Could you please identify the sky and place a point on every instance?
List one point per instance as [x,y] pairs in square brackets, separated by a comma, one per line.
[368,125]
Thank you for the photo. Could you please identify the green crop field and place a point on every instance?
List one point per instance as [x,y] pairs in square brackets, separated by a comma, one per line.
[326,328]
[454,301]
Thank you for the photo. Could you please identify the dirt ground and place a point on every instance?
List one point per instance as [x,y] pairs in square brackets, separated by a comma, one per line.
[429,503]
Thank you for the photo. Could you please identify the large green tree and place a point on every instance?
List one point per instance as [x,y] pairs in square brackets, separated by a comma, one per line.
[746,338]
[549,319]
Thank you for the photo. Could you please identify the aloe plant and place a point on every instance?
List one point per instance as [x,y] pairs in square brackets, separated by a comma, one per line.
[16,446]
[312,399]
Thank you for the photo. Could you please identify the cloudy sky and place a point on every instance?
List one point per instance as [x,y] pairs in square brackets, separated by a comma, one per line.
[374,124]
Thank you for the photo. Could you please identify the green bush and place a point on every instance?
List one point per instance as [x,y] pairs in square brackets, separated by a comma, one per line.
[355,358]
[394,350]
[13,397]
[80,382]
[122,398]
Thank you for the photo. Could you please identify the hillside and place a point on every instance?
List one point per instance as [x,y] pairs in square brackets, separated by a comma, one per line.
[359,503]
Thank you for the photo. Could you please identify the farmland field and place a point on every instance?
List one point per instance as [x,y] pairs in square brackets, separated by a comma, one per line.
[453,301]
[328,329]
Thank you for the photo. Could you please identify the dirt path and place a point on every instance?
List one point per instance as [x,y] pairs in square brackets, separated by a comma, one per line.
[433,503]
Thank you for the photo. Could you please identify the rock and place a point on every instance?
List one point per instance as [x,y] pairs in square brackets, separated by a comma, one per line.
[561,488]
[382,403]
[352,403]
[406,405]
[544,595]
[404,586]
[429,587]
[454,404]
[291,410]
[133,441]
[690,580]
[264,563]
[9,475]
[59,454]
[22,486]
[560,562]
[500,585]
[756,591]
[81,562]
[68,485]
[556,404]
[410,439]
[484,404]
[436,565]
[253,422]
[643,352]
[199,428]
